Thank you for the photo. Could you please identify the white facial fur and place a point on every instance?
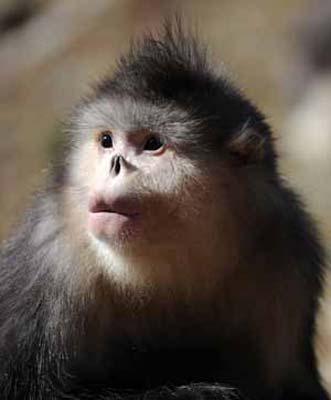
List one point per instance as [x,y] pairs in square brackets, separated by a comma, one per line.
[179,200]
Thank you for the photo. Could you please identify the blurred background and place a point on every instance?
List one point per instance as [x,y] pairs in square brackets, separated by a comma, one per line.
[279,52]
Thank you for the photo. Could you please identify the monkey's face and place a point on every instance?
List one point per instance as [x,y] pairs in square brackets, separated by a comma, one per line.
[133,186]
[139,190]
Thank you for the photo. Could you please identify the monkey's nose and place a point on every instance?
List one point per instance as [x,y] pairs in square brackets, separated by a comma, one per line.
[116,165]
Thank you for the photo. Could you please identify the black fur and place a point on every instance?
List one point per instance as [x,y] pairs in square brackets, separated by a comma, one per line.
[41,319]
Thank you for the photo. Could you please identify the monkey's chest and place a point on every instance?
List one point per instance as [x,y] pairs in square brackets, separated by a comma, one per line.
[140,363]
[141,366]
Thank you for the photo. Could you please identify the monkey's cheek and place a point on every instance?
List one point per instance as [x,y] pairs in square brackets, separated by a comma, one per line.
[105,225]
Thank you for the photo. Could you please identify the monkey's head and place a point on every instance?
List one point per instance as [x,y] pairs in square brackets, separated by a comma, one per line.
[157,152]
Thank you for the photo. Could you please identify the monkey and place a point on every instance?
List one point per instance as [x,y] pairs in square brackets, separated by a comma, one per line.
[166,257]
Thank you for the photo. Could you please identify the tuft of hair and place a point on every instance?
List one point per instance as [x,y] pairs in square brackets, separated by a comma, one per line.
[171,69]
[165,66]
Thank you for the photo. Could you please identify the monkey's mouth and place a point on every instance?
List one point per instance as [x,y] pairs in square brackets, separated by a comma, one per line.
[113,211]
[117,206]
[108,218]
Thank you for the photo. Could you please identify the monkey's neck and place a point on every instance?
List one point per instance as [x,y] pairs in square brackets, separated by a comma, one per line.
[173,288]
[142,295]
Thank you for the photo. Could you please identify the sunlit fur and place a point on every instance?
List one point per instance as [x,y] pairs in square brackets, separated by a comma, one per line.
[216,288]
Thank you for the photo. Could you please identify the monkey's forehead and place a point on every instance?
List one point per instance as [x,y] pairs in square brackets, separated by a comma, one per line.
[129,115]
[205,125]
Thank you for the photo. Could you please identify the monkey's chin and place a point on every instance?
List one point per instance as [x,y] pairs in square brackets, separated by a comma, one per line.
[110,226]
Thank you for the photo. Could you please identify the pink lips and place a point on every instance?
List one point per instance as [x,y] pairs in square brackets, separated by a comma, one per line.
[117,206]
[109,216]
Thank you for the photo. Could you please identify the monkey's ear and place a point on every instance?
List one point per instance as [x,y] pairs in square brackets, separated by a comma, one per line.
[249,145]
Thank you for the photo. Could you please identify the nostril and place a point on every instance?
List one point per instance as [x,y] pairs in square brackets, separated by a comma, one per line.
[116,163]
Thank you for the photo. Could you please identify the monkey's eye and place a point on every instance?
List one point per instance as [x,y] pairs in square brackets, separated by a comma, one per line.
[106,140]
[153,143]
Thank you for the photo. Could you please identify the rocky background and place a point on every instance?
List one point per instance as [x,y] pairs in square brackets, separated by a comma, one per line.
[279,52]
